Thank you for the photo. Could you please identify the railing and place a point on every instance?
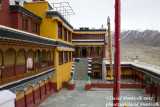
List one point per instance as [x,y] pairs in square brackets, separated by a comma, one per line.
[25,75]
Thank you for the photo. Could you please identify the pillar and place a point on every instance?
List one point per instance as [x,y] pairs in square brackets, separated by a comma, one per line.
[34,61]
[99,51]
[151,88]
[50,59]
[87,52]
[156,92]
[135,76]
[45,88]
[50,85]
[40,90]
[132,74]
[33,95]
[81,52]
[138,77]
[15,63]
[40,59]
[142,81]
[25,98]
[94,51]
[46,60]
[123,74]
[26,61]
[3,57]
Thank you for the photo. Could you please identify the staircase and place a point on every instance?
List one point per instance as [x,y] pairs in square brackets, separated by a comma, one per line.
[81,69]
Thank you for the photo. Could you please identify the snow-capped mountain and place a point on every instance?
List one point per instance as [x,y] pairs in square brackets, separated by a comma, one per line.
[147,37]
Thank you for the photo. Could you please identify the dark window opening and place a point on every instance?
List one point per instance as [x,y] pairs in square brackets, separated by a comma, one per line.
[0,4]
[97,51]
[61,58]
[65,34]
[69,56]
[35,26]
[24,22]
[69,36]
[66,57]
[76,51]
[59,31]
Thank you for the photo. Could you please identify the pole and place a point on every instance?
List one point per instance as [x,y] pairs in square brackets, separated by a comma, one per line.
[110,46]
[117,52]
[114,78]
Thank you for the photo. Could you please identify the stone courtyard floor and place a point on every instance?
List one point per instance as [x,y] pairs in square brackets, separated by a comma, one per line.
[97,97]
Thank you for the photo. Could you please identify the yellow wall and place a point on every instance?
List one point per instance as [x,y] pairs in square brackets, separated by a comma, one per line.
[49,28]
[43,55]
[63,72]
[9,57]
[21,57]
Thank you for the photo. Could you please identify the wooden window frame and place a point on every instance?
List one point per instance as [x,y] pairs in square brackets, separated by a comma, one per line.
[69,36]
[69,56]
[66,56]
[37,26]
[65,34]
[60,31]
[24,18]
[60,57]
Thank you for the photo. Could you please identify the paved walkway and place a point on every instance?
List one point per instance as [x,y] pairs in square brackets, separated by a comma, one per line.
[95,97]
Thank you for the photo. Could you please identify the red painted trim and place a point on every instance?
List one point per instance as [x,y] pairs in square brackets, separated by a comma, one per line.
[34,97]
[25,101]
[43,99]
[40,92]
[45,89]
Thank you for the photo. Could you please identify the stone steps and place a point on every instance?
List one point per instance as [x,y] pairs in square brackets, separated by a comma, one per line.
[81,69]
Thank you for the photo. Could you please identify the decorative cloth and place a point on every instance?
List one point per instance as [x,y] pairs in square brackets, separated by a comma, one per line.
[29,63]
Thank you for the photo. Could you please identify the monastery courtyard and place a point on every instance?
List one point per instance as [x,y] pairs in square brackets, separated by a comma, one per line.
[96,97]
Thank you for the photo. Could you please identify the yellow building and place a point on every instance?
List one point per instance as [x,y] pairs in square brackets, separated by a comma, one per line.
[54,26]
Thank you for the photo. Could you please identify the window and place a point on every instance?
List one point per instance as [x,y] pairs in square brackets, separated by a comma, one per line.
[24,22]
[66,56]
[69,56]
[0,4]
[59,31]
[76,51]
[35,26]
[92,51]
[97,51]
[65,34]
[69,36]
[61,58]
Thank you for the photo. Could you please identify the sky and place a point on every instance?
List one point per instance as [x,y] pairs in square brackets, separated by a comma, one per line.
[135,14]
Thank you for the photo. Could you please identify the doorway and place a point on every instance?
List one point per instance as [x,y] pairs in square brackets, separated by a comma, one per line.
[84,52]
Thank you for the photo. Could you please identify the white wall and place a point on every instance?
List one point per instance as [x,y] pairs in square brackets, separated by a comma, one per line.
[9,103]
[12,2]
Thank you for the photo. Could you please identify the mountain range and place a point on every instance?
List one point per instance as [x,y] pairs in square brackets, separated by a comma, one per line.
[146,37]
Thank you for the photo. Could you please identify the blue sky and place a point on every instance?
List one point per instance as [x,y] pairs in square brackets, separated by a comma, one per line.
[135,14]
